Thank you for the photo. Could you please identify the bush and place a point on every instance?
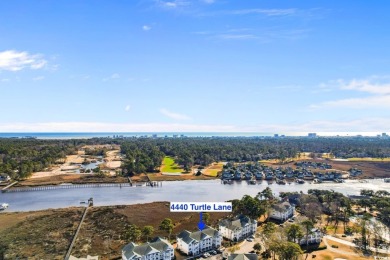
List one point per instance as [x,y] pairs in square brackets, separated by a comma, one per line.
[335,246]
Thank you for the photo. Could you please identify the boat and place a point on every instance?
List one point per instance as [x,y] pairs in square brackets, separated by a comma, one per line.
[3,206]
[227,181]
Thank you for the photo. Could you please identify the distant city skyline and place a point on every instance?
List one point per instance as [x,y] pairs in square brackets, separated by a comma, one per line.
[195,66]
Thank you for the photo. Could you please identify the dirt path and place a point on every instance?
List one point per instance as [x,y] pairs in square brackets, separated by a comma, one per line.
[338,251]
[347,243]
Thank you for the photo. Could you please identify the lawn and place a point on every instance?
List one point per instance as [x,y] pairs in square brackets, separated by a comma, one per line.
[213,169]
[169,165]
[369,159]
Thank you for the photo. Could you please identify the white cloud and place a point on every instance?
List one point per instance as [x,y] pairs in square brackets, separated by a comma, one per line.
[266,12]
[172,4]
[378,93]
[173,115]
[146,28]
[208,1]
[5,80]
[127,108]
[368,125]
[358,103]
[111,127]
[38,78]
[112,77]
[115,76]
[352,125]
[15,61]
[237,36]
[366,86]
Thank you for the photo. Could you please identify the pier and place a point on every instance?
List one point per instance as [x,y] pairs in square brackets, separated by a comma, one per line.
[75,186]
[5,189]
[68,186]
[152,183]
[90,204]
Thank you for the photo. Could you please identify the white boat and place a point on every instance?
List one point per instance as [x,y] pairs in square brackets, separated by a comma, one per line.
[3,206]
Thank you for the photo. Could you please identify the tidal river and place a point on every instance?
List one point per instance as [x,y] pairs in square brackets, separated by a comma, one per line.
[196,191]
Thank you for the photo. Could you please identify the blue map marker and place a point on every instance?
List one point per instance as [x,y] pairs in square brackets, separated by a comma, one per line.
[201,225]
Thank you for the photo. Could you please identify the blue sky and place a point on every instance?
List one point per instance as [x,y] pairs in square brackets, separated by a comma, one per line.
[194,65]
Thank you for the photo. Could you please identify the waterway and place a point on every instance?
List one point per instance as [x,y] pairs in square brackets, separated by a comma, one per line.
[196,191]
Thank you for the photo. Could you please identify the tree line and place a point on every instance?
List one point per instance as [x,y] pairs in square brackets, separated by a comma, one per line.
[20,157]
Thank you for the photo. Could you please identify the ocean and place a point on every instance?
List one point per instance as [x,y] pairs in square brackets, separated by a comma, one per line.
[86,135]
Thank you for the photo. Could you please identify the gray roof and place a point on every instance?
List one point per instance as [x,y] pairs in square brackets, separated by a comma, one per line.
[237,223]
[156,245]
[282,207]
[242,257]
[189,237]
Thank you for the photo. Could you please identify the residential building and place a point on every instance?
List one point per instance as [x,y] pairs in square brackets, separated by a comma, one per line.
[195,243]
[238,228]
[157,249]
[242,257]
[314,237]
[282,211]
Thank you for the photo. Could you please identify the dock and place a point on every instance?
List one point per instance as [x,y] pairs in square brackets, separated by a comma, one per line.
[152,183]
[90,204]
[5,189]
[68,186]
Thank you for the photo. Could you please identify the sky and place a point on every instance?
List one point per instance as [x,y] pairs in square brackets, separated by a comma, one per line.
[194,66]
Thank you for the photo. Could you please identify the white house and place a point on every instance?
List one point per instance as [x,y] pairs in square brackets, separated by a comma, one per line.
[238,228]
[157,249]
[282,211]
[195,243]
[314,237]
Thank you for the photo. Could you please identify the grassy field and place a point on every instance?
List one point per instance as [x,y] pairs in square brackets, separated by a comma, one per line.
[369,159]
[213,169]
[169,165]
[38,235]
[47,234]
[182,177]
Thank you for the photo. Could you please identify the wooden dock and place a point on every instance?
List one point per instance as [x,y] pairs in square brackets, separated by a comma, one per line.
[68,186]
[152,183]
[5,189]
[90,204]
